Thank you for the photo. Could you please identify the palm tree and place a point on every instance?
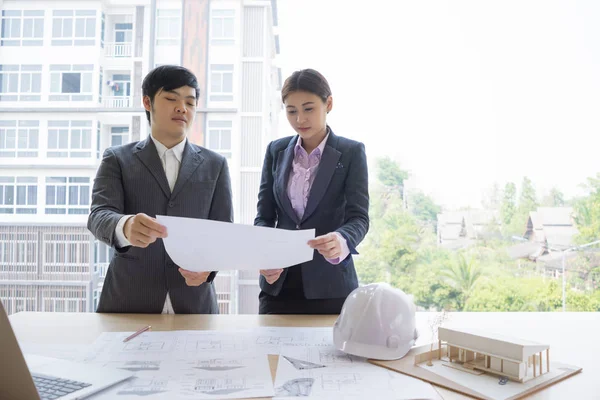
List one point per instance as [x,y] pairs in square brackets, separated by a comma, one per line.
[463,276]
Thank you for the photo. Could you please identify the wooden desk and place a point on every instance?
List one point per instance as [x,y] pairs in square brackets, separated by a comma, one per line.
[573,337]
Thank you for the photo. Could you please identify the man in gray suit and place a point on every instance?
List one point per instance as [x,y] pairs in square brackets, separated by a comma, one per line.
[162,175]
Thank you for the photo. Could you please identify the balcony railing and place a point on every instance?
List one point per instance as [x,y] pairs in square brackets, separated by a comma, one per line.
[118,50]
[117,102]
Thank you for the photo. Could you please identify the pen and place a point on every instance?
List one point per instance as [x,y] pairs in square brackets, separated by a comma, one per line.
[128,338]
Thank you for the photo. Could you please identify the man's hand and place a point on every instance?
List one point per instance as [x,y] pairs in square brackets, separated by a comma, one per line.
[142,230]
[271,275]
[194,278]
[329,245]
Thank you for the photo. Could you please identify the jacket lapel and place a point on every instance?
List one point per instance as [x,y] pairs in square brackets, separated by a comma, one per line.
[284,164]
[190,161]
[148,155]
[325,172]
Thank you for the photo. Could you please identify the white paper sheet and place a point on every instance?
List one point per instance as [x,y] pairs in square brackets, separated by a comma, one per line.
[326,373]
[69,352]
[183,365]
[204,245]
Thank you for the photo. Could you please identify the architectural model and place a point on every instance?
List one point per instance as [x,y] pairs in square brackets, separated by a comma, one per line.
[479,352]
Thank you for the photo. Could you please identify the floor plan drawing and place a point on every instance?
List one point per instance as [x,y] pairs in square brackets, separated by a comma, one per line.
[144,387]
[218,364]
[184,365]
[335,381]
[144,346]
[300,387]
[220,386]
[300,364]
[342,376]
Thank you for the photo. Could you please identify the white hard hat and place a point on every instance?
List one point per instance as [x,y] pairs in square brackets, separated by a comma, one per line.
[377,321]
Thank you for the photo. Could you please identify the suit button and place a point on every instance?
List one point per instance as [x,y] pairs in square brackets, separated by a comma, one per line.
[171,204]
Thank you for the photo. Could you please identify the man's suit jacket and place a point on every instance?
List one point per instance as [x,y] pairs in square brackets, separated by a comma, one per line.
[338,201]
[131,180]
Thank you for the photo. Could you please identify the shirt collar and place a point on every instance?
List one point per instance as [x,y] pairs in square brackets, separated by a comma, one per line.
[320,147]
[162,149]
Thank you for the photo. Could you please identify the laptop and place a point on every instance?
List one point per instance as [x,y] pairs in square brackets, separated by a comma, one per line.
[41,378]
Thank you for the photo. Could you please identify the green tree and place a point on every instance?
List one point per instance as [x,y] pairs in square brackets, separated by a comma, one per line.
[555,198]
[509,206]
[424,208]
[587,212]
[527,203]
[463,275]
[390,175]
[527,199]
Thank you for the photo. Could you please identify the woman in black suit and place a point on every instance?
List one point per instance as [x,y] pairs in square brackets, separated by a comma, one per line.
[318,180]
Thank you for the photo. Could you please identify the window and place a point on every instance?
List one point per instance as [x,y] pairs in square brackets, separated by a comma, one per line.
[102,30]
[120,85]
[221,82]
[67,195]
[67,253]
[70,139]
[168,32]
[119,135]
[22,28]
[19,298]
[18,252]
[222,27]
[98,140]
[73,27]
[20,82]
[21,141]
[18,195]
[119,89]
[71,82]
[63,298]
[219,137]
[102,257]
[123,32]
[100,86]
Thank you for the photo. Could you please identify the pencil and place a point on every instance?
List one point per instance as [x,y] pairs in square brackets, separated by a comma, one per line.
[128,338]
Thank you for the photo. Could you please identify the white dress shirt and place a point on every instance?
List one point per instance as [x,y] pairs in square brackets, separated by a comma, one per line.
[171,161]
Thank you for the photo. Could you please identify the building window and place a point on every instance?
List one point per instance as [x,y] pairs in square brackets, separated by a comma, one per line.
[222,24]
[119,135]
[74,27]
[219,137]
[67,253]
[168,32]
[7,195]
[102,29]
[102,256]
[18,195]
[100,86]
[63,299]
[98,140]
[22,28]
[120,91]
[19,298]
[18,252]
[20,82]
[67,195]
[71,82]
[19,139]
[124,32]
[221,82]
[70,139]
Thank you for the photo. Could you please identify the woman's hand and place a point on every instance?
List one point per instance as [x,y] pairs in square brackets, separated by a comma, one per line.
[271,275]
[329,245]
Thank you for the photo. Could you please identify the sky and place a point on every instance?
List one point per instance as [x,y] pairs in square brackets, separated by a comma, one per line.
[461,93]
